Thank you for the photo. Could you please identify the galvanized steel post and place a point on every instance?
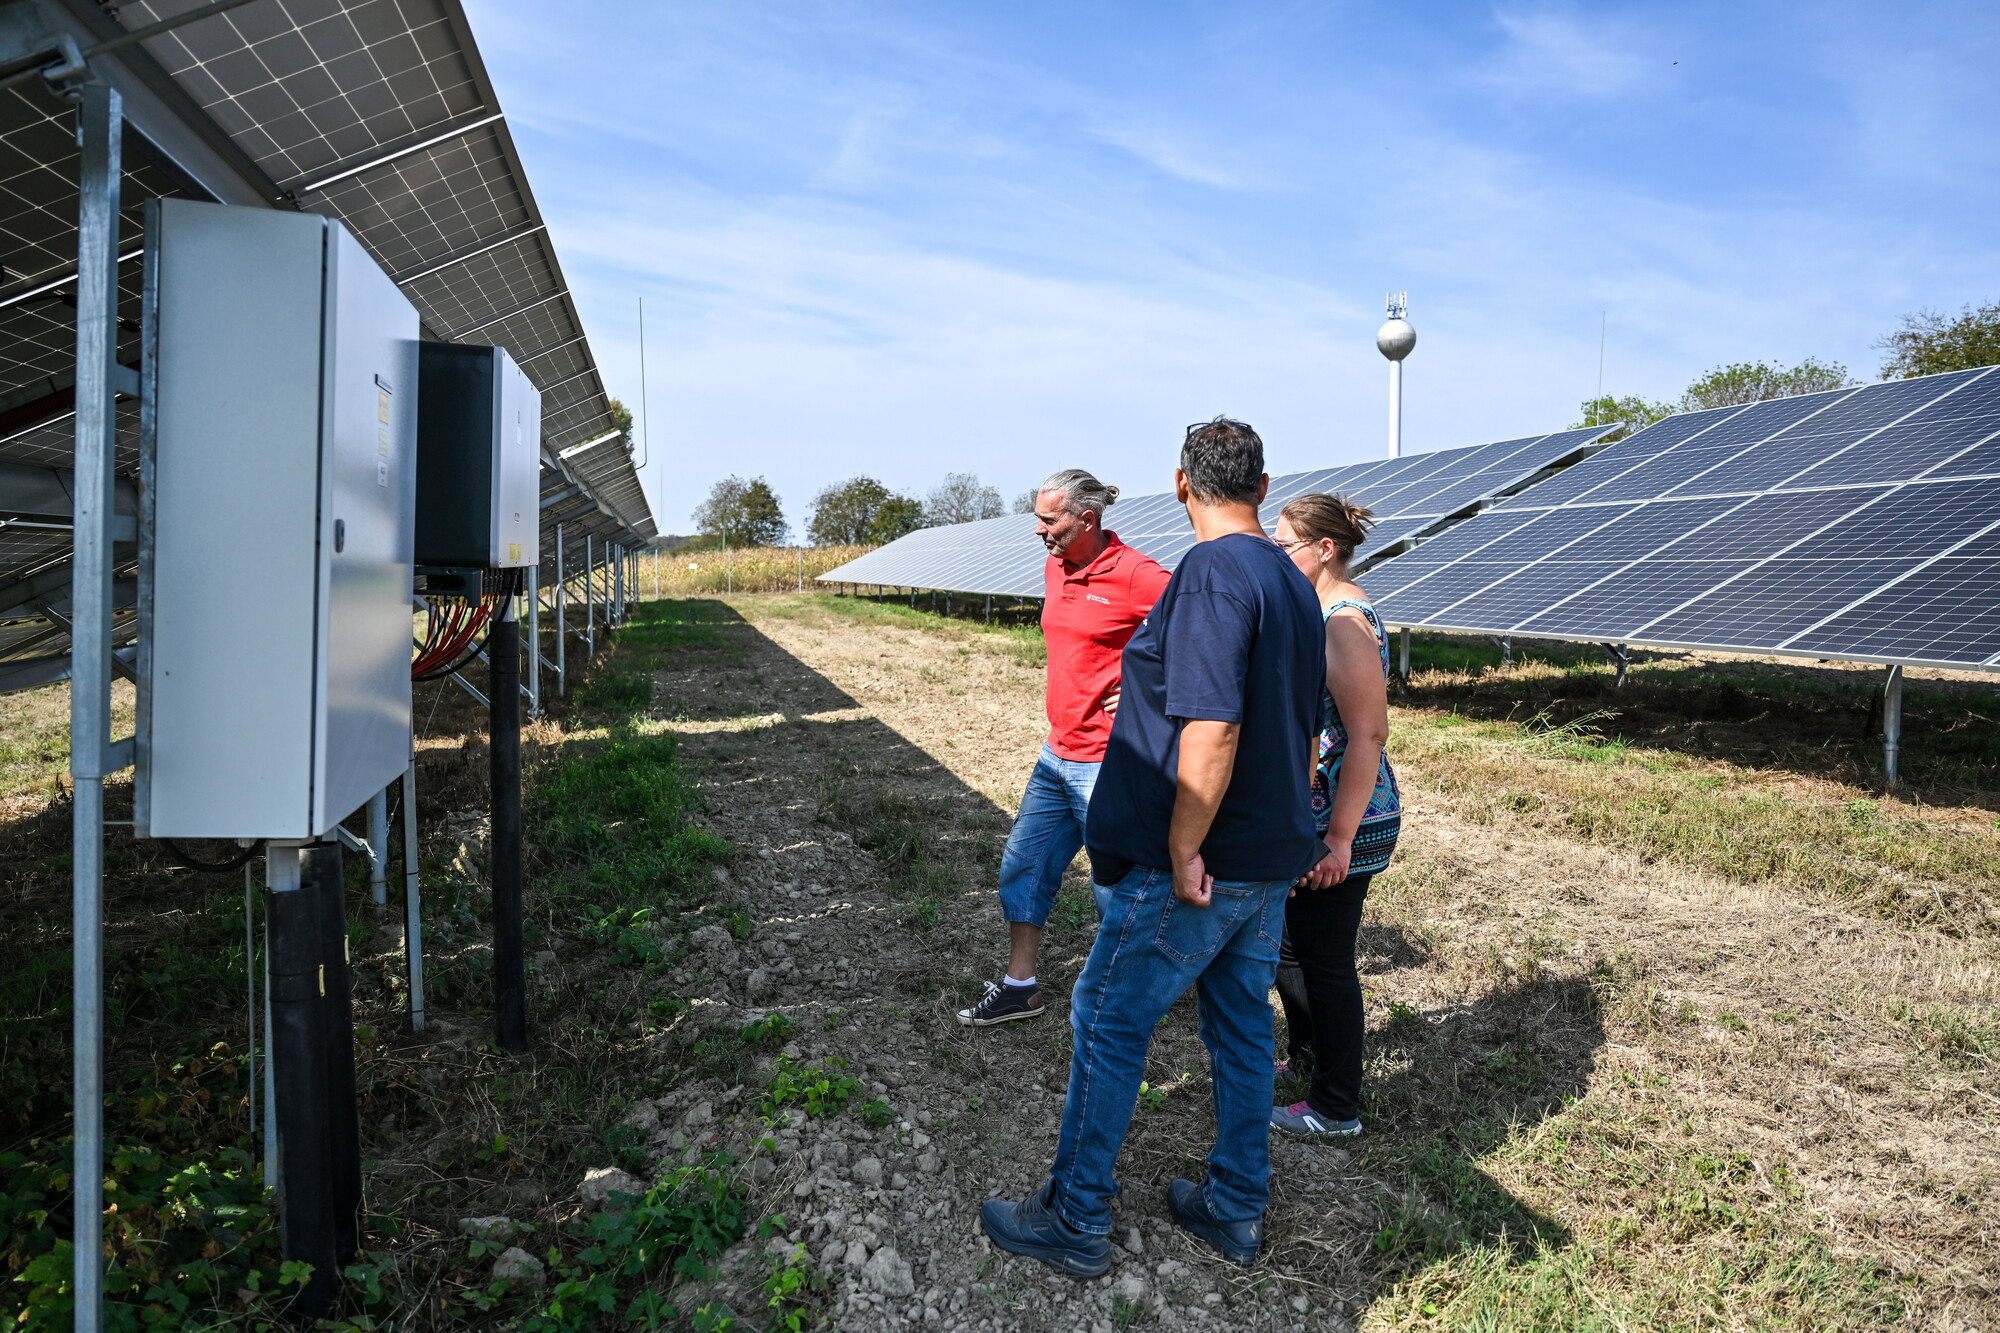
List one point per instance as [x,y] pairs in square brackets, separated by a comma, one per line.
[534,640]
[562,621]
[413,924]
[589,599]
[378,848]
[1892,722]
[100,120]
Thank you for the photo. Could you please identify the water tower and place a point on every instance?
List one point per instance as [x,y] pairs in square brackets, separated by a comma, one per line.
[1396,340]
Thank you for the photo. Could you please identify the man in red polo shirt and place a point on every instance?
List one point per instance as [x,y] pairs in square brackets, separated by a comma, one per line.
[1098,591]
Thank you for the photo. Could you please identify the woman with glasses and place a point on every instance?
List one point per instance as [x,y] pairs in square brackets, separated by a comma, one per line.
[1359,813]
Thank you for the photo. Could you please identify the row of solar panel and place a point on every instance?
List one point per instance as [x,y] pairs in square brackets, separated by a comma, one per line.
[1409,496]
[1860,523]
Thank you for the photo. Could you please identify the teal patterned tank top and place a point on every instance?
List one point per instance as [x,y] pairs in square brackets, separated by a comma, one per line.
[1382,822]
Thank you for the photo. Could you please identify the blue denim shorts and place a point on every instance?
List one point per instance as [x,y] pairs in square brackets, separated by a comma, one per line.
[1048,833]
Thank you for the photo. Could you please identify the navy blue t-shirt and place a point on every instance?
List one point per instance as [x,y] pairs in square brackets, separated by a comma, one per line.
[1236,637]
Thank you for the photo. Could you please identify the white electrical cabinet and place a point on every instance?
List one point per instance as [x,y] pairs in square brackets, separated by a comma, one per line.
[276,535]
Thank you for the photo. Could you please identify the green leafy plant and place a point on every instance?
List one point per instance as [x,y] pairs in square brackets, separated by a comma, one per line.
[877,1114]
[766,1031]
[682,1222]
[821,1089]
[1150,1097]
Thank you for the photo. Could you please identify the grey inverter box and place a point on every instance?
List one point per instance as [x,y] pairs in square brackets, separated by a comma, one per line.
[479,459]
[275,548]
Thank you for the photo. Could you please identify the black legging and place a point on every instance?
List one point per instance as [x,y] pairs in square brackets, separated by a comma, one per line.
[1317,976]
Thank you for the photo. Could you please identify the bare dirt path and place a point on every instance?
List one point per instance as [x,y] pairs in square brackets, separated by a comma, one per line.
[1712,1105]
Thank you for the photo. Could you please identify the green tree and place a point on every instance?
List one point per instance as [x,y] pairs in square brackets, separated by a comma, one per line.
[1930,342]
[1754,382]
[962,500]
[1024,503]
[1630,413]
[898,516]
[850,513]
[742,513]
[621,421]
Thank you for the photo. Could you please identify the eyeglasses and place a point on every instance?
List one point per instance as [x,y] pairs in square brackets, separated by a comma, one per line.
[1294,544]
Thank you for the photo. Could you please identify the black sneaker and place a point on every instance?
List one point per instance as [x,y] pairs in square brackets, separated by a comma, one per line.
[1003,1004]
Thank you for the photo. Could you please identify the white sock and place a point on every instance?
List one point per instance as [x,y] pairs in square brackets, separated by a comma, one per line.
[1024,985]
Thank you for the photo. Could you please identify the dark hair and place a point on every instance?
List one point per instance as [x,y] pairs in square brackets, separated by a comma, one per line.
[1223,460]
[1317,517]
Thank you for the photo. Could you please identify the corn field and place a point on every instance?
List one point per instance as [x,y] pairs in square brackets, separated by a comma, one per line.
[685,573]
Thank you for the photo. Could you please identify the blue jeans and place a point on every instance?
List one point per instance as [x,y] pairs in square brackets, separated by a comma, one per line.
[1149,947]
[1048,833]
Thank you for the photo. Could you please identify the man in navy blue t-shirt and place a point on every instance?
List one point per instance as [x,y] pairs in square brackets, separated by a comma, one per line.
[1200,823]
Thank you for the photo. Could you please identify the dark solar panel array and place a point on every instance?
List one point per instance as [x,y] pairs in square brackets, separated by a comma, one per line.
[375,112]
[1859,523]
[1409,495]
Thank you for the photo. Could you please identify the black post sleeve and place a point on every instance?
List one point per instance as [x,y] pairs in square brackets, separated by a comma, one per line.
[298,1065]
[322,876]
[510,982]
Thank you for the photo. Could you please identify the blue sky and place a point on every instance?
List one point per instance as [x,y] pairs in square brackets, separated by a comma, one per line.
[901,239]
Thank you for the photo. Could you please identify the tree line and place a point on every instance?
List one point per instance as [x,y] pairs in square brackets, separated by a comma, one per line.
[1929,343]
[860,511]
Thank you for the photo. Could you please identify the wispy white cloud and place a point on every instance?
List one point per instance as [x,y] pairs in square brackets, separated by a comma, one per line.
[903,242]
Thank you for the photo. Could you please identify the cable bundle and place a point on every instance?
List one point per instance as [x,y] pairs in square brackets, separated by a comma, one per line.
[450,626]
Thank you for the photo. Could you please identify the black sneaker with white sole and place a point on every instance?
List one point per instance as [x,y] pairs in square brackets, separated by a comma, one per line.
[1003,1004]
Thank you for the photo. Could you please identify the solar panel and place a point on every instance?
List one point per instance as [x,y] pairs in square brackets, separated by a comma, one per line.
[1854,523]
[1410,495]
[378,114]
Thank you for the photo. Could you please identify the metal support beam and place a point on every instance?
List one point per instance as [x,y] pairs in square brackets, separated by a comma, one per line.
[1892,722]
[1621,658]
[562,621]
[100,114]
[1405,668]
[378,848]
[534,641]
[589,599]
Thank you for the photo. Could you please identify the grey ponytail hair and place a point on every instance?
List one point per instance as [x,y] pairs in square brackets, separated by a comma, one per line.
[1080,491]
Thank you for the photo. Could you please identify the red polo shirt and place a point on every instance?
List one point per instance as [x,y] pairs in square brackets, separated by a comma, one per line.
[1088,615]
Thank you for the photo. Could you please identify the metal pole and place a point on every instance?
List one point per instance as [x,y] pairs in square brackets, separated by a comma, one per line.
[1395,409]
[1892,722]
[562,621]
[1406,654]
[535,640]
[589,598]
[100,119]
[510,981]
[618,583]
[413,924]
[378,848]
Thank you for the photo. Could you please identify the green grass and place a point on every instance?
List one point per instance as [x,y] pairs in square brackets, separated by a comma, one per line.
[1682,1234]
[1745,824]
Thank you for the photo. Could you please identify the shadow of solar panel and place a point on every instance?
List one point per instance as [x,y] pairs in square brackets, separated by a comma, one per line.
[1944,612]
